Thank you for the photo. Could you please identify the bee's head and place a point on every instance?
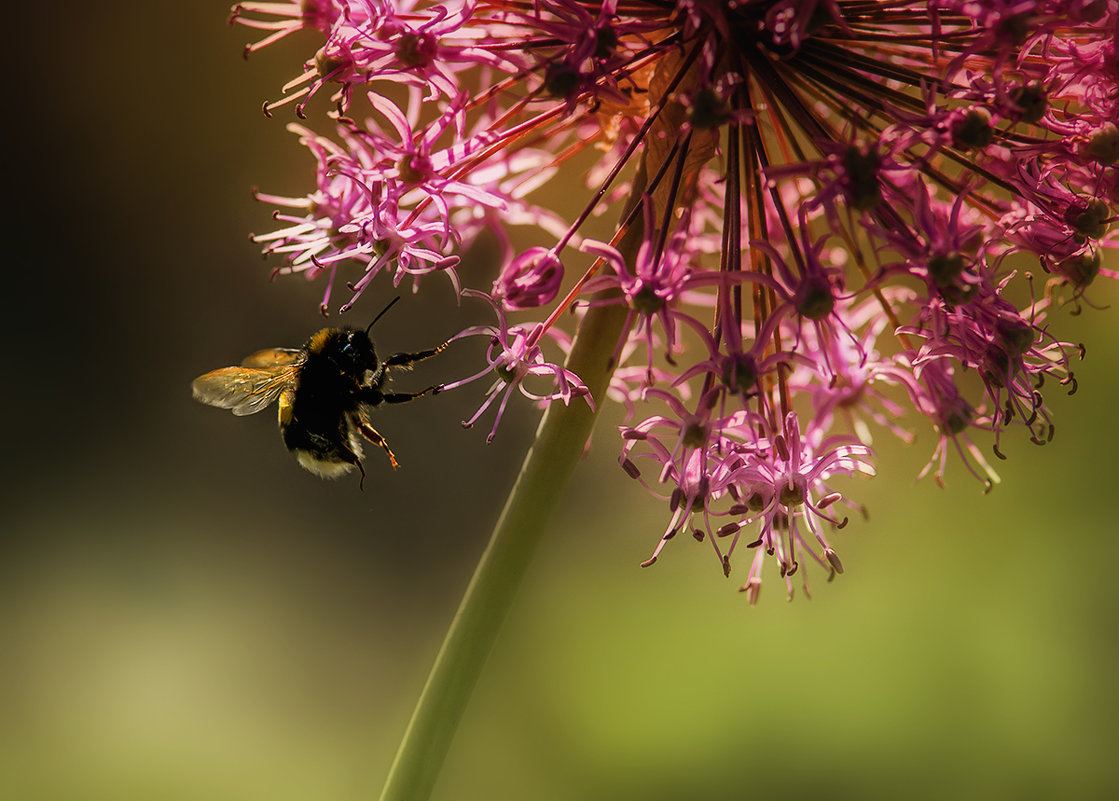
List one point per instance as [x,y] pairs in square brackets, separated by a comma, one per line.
[356,352]
[357,346]
[349,350]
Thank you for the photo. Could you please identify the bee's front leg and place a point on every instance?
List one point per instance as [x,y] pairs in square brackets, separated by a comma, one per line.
[406,359]
[374,396]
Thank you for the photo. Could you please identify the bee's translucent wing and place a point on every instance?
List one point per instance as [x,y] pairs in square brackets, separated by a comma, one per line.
[243,390]
[272,357]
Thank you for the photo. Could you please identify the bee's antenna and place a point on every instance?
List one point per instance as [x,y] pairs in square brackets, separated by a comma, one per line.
[382,313]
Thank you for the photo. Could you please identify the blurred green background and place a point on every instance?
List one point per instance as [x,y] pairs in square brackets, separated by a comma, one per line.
[185,614]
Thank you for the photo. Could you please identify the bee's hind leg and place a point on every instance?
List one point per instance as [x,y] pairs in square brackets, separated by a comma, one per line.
[374,436]
[351,457]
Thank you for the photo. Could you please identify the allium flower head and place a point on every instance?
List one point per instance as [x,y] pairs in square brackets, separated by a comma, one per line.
[831,214]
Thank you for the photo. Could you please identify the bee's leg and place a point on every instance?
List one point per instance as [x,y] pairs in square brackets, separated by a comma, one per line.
[374,436]
[404,397]
[350,457]
[405,359]
[374,396]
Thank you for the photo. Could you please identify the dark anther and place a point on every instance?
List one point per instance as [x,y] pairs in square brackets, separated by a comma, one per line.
[728,529]
[828,500]
[782,448]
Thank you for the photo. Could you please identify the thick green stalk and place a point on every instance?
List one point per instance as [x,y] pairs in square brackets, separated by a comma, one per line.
[559,443]
[560,440]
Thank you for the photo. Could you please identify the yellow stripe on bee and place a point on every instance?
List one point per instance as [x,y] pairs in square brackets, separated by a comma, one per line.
[318,340]
[286,407]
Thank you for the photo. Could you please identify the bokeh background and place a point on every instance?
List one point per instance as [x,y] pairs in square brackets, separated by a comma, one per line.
[185,614]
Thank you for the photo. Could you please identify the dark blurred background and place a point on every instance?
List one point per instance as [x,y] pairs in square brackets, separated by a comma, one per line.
[185,614]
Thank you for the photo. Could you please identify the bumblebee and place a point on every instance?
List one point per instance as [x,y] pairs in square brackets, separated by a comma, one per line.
[325,390]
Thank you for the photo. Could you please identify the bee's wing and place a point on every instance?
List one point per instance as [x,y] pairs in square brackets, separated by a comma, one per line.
[243,390]
[272,357]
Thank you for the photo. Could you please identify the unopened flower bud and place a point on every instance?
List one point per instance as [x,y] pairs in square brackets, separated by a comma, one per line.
[532,279]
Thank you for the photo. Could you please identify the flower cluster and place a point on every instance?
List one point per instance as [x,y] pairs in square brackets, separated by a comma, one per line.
[844,211]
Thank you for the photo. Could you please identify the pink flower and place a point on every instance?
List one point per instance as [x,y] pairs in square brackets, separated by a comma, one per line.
[514,355]
[827,210]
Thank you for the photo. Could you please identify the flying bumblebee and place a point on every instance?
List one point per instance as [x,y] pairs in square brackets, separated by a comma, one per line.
[325,389]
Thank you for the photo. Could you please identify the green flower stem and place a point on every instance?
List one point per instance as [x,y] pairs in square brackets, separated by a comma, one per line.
[559,444]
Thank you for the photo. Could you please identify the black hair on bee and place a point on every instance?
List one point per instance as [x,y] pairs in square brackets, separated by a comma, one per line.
[326,391]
